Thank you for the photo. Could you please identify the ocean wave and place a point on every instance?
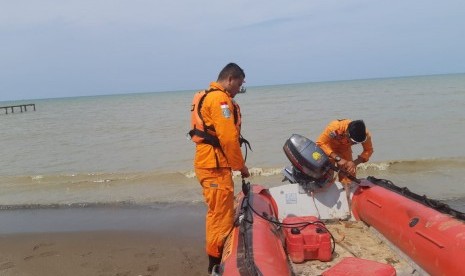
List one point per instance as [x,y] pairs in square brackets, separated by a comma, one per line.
[253,172]
[419,164]
[80,190]
[374,166]
[413,165]
[65,205]
[179,176]
[115,204]
[76,178]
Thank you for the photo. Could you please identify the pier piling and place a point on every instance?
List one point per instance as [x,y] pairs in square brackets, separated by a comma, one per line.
[22,107]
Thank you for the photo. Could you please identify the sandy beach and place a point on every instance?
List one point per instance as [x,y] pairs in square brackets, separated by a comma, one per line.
[100,253]
[165,240]
[103,241]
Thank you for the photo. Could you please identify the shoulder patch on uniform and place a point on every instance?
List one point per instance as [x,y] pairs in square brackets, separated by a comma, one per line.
[225,109]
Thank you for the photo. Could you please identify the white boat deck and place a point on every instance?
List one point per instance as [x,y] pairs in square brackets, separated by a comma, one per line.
[353,238]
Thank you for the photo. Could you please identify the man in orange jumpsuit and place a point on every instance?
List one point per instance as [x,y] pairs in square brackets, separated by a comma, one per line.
[337,140]
[214,162]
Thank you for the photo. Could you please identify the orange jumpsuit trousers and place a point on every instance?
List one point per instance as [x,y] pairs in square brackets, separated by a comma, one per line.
[218,193]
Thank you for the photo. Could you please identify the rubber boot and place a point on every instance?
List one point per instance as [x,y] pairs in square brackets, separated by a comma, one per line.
[212,261]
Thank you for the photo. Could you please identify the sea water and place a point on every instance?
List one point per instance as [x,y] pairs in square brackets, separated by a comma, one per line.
[132,149]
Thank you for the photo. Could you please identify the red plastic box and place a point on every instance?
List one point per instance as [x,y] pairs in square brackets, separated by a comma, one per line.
[307,239]
[350,266]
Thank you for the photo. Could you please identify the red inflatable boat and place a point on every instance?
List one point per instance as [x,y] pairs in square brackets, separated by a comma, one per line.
[430,233]
[433,239]
[255,245]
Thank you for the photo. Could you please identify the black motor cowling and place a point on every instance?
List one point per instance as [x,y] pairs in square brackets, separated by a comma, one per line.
[311,167]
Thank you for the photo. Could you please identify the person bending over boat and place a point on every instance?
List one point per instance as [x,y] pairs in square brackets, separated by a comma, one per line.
[337,140]
[215,128]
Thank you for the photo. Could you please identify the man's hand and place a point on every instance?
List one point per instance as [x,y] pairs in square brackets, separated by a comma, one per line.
[348,166]
[245,172]
[351,167]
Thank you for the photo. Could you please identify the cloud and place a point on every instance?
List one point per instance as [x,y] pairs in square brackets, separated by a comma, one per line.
[91,47]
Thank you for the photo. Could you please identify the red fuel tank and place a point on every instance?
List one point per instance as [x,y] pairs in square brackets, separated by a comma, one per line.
[307,239]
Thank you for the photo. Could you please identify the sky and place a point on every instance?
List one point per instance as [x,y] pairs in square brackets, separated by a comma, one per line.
[57,48]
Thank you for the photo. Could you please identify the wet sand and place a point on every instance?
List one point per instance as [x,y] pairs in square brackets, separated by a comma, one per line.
[103,241]
[166,240]
[100,253]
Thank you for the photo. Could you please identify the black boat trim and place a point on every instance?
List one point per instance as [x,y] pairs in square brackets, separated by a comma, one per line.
[423,199]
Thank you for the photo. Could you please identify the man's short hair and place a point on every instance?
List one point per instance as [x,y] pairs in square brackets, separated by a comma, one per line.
[231,70]
[357,131]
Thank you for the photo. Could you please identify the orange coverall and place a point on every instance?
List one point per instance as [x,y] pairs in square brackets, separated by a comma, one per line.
[335,139]
[213,167]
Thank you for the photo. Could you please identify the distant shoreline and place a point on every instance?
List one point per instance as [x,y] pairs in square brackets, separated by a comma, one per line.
[2,101]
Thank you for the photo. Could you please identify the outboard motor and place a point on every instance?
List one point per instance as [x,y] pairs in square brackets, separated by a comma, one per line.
[311,167]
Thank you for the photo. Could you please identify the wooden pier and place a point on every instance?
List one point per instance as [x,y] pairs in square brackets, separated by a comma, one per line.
[22,107]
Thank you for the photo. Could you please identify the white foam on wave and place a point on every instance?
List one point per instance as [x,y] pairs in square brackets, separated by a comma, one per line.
[265,171]
[383,166]
[190,174]
[253,172]
[102,181]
